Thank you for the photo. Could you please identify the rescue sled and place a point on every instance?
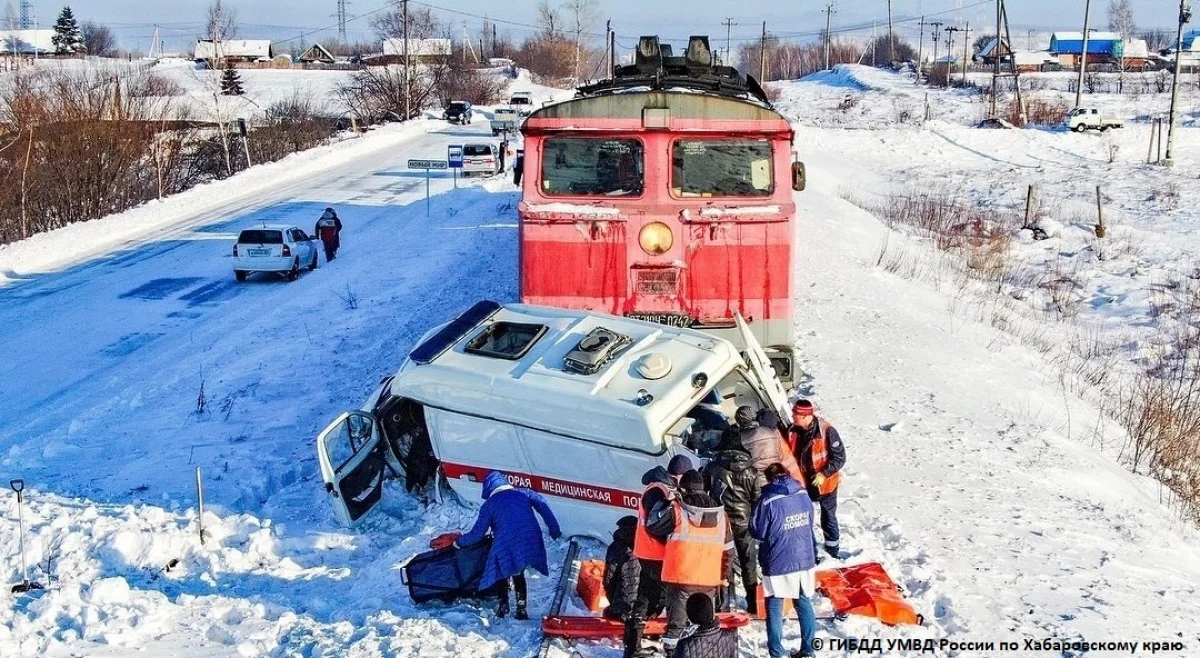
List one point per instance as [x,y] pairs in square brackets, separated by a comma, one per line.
[866,589]
[595,628]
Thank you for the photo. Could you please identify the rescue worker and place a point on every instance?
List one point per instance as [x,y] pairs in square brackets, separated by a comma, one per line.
[709,640]
[697,552]
[782,522]
[821,455]
[329,229]
[649,547]
[765,444]
[732,480]
[621,571]
[508,513]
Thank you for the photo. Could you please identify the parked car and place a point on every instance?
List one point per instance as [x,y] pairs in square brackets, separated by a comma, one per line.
[1082,118]
[522,102]
[481,158]
[573,404]
[458,112]
[273,248]
[504,119]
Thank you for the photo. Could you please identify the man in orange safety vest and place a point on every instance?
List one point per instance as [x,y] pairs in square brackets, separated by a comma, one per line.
[821,454]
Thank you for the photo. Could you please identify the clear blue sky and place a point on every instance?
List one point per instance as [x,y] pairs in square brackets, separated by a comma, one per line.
[181,20]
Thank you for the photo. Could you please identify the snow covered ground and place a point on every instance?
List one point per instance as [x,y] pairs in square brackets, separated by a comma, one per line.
[987,496]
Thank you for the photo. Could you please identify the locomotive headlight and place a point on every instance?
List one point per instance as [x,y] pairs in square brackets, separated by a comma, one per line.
[656,238]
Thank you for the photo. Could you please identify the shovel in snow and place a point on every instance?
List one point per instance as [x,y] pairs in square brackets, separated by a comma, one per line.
[25,585]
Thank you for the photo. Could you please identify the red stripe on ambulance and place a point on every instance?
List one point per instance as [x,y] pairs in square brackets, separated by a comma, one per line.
[550,486]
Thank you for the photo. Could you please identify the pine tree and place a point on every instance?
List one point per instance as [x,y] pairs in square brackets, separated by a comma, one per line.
[231,82]
[68,38]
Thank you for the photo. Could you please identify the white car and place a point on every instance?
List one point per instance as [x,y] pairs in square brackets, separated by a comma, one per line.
[522,102]
[273,248]
[481,158]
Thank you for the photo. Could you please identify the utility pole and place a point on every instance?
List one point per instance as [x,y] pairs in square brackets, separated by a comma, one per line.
[612,54]
[920,51]
[728,41]
[1016,71]
[341,20]
[762,55]
[608,68]
[950,50]
[407,96]
[966,50]
[891,38]
[996,51]
[1087,11]
[935,33]
[494,53]
[829,12]
[1185,15]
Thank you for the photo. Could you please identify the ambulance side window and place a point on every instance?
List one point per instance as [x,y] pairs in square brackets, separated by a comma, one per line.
[480,443]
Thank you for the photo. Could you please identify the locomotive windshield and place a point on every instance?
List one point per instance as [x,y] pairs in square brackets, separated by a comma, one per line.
[703,168]
[592,167]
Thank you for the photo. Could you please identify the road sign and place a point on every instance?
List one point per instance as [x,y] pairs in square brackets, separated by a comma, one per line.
[454,154]
[427,164]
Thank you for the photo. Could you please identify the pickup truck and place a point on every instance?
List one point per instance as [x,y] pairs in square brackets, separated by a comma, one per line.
[1082,118]
[504,119]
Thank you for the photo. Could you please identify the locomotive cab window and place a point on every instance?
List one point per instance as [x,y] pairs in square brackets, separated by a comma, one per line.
[592,167]
[721,168]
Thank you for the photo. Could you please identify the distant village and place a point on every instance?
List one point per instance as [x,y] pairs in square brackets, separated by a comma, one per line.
[1106,51]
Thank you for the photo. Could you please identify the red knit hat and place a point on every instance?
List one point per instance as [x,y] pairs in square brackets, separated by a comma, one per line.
[803,407]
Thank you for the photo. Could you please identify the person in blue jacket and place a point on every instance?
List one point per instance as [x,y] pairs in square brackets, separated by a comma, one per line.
[782,523]
[507,513]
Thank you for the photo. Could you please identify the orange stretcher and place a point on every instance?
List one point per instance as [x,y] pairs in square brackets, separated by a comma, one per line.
[866,589]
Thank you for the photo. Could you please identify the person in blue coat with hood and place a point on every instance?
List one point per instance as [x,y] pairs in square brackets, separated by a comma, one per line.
[782,523]
[507,513]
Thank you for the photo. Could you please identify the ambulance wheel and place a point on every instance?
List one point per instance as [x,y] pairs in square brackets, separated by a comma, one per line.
[239,275]
[294,273]
[313,265]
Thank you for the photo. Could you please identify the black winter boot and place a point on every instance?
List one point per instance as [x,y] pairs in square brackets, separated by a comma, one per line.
[522,611]
[633,637]
[502,609]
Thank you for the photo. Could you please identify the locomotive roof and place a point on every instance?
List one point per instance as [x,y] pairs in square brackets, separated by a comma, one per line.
[537,390]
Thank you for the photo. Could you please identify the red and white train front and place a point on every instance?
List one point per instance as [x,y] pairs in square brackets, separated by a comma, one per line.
[664,194]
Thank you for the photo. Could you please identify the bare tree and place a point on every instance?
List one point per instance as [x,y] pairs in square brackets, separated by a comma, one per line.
[549,18]
[98,40]
[10,16]
[220,21]
[422,24]
[583,15]
[1157,40]
[1120,20]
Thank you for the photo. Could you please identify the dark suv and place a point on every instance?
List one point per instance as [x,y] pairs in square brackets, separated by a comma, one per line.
[458,112]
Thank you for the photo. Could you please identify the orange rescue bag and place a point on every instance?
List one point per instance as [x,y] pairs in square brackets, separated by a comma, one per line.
[866,589]
[590,585]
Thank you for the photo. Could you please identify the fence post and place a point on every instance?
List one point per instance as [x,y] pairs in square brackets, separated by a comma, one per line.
[1030,200]
[200,497]
[1101,229]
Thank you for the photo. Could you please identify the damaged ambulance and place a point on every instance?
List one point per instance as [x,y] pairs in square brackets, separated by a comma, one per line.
[572,404]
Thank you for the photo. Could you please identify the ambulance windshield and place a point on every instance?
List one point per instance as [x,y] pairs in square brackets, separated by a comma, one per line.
[713,415]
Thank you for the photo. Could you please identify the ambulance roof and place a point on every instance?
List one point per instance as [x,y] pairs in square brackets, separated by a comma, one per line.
[537,390]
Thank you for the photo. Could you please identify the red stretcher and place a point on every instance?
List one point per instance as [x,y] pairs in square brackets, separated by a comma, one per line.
[595,628]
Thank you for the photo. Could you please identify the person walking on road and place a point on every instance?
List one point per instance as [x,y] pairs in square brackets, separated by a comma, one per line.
[821,454]
[782,522]
[329,229]
[508,513]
